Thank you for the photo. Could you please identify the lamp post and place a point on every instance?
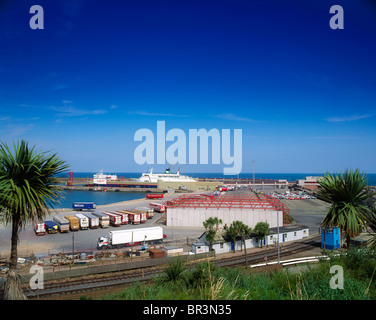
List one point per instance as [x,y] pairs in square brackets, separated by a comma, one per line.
[278,203]
[278,232]
[73,247]
[132,247]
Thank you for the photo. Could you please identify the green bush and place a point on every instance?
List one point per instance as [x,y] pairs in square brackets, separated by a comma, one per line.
[205,281]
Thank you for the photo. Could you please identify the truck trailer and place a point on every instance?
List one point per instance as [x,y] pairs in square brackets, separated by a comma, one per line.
[84,221]
[115,219]
[74,222]
[158,207]
[131,236]
[104,219]
[84,206]
[133,217]
[40,229]
[154,196]
[149,211]
[123,215]
[51,227]
[62,223]
[93,221]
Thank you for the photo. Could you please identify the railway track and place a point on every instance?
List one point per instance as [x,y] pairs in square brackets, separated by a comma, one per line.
[84,285]
[68,286]
[270,254]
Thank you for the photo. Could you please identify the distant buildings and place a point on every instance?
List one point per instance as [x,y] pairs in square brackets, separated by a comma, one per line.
[311,182]
[223,244]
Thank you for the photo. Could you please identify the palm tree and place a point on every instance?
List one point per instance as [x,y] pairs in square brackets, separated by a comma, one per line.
[28,185]
[173,272]
[241,230]
[347,192]
[371,222]
[232,232]
[211,226]
[261,230]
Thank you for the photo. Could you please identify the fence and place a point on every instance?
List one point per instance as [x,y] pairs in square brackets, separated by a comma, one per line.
[89,270]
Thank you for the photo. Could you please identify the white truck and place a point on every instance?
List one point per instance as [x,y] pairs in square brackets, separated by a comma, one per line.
[84,221]
[131,236]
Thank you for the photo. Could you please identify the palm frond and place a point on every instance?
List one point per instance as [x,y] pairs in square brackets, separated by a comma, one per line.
[348,193]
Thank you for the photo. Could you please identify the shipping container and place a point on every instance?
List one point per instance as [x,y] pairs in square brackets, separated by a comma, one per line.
[74,222]
[115,219]
[200,247]
[143,217]
[154,196]
[149,211]
[62,223]
[93,221]
[157,253]
[172,251]
[133,217]
[40,228]
[84,221]
[158,207]
[104,219]
[51,227]
[83,206]
[123,215]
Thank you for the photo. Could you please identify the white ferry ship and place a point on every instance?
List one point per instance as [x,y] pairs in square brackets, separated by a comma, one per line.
[101,178]
[166,176]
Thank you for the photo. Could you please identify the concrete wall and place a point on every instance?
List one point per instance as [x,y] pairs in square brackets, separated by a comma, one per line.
[191,217]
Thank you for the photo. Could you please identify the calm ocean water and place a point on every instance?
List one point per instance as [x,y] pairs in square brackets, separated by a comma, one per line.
[101,198]
[288,176]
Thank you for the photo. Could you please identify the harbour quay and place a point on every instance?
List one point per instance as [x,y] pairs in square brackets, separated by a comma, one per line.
[197,185]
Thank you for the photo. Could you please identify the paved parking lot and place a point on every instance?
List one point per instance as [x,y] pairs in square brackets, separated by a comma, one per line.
[305,212]
[85,239]
[308,212]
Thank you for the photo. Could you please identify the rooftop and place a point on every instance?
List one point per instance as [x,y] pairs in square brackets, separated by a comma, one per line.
[230,200]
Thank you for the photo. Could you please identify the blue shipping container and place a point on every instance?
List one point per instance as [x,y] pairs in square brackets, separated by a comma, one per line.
[330,238]
[51,227]
[83,205]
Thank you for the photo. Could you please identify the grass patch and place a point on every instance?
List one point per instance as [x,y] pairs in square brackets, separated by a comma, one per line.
[205,281]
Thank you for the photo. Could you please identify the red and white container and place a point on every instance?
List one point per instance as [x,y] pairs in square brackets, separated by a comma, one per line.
[154,196]
[115,219]
[134,217]
[40,229]
[158,207]
[123,215]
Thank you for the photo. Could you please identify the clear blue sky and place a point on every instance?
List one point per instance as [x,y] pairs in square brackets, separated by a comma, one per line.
[303,94]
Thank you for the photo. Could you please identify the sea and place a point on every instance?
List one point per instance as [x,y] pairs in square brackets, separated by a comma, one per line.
[102,198]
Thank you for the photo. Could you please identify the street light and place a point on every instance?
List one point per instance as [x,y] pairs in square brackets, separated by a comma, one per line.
[278,232]
[73,247]
[277,205]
